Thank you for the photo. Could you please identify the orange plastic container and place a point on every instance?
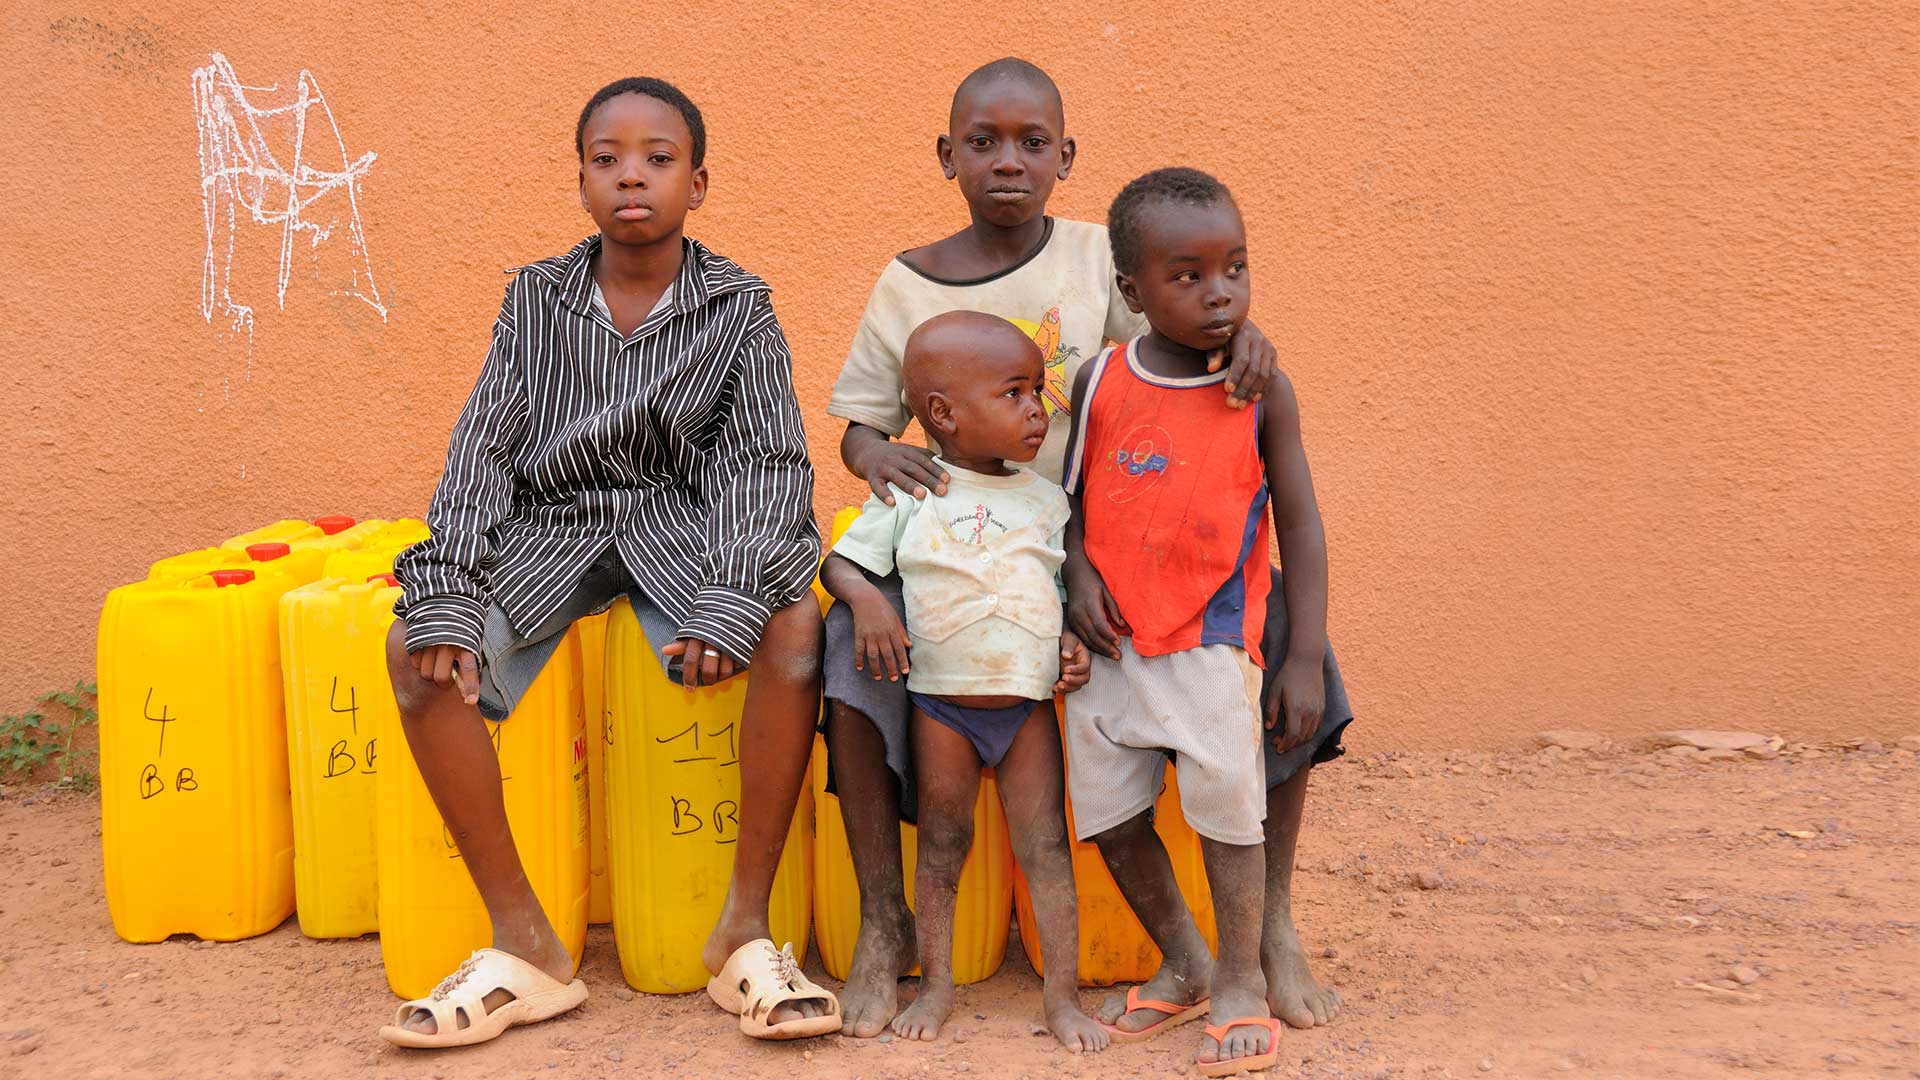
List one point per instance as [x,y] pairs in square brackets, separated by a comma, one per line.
[1114,947]
[196,822]
[431,917]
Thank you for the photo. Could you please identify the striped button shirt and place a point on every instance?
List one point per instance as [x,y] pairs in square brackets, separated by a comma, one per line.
[681,443]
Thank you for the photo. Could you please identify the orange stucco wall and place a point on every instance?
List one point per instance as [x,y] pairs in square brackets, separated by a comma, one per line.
[1604,325]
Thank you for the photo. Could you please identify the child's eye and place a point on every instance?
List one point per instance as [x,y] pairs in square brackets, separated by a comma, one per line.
[1187,275]
[603,159]
[979,142]
[1036,143]
[1237,269]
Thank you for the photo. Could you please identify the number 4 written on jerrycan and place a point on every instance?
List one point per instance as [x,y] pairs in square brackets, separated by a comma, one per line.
[151,782]
[340,759]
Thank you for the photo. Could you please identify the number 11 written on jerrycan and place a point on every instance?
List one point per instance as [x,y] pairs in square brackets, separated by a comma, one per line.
[673,803]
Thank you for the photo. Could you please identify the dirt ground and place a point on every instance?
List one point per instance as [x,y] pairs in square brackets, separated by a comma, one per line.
[1609,914]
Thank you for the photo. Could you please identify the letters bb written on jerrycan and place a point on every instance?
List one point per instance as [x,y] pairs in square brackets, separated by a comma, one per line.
[431,917]
[673,798]
[1114,947]
[196,830]
[333,647]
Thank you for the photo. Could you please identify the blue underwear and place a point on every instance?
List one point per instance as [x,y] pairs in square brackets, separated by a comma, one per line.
[991,731]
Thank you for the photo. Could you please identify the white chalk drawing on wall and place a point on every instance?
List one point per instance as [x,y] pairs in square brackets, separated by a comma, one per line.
[274,161]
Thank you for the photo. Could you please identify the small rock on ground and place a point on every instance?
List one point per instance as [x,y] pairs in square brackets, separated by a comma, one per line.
[1701,739]
[1571,740]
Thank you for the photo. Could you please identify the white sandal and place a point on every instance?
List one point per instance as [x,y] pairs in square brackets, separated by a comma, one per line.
[757,979]
[458,1004]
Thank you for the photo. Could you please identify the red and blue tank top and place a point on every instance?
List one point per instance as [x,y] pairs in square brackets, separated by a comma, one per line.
[1174,490]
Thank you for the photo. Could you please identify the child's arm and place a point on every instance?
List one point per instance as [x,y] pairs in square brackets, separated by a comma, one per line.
[1092,614]
[1300,691]
[878,634]
[762,545]
[880,641]
[867,395]
[444,605]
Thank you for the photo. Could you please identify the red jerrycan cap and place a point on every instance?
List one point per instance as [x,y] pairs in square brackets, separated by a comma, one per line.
[224,578]
[268,552]
[334,523]
[384,579]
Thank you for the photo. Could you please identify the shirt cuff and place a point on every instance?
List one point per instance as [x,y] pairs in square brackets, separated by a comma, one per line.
[729,620]
[445,620]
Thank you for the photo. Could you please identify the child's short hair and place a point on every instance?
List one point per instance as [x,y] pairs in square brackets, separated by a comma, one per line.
[658,89]
[1124,217]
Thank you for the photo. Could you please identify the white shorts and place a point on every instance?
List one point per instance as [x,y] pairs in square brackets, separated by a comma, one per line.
[1200,707]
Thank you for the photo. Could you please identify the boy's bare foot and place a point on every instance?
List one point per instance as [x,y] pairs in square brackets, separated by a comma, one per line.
[923,1018]
[883,952]
[1236,1000]
[546,953]
[1077,1031]
[1179,984]
[731,932]
[1293,993]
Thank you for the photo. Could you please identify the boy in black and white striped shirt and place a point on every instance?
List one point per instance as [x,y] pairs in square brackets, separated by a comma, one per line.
[634,430]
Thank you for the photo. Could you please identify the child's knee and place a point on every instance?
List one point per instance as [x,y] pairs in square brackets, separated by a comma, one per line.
[790,646]
[943,851]
[410,691]
[1126,834]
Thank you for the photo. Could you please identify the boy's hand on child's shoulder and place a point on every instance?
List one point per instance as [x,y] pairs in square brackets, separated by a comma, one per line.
[1075,664]
[1299,697]
[880,640]
[908,467]
[450,667]
[701,664]
[1251,363]
[1092,613]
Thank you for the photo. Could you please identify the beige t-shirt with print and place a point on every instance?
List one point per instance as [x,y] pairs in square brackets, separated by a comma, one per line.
[1063,295]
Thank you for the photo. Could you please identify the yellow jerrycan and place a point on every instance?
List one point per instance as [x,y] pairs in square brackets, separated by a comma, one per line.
[986,879]
[1114,947]
[980,914]
[280,532]
[593,691]
[431,917]
[333,647]
[673,801]
[196,827]
[376,550]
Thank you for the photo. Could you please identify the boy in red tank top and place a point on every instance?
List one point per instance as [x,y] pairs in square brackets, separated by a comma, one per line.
[1167,576]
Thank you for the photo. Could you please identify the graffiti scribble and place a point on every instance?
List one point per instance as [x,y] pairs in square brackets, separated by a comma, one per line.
[273,164]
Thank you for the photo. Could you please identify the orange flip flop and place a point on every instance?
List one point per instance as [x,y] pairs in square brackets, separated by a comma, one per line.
[1252,1062]
[1175,1016]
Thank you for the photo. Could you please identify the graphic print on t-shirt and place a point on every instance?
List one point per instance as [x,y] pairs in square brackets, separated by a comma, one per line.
[1143,456]
[1046,334]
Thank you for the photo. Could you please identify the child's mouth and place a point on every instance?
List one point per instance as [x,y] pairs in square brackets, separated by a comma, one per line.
[1218,329]
[633,213]
[1008,195]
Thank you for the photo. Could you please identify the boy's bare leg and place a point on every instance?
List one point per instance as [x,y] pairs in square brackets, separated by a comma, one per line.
[948,772]
[1032,790]
[776,739]
[456,759]
[1237,874]
[1292,992]
[870,808]
[1138,862]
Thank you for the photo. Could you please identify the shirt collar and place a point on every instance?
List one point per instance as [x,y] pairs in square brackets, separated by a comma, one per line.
[703,275]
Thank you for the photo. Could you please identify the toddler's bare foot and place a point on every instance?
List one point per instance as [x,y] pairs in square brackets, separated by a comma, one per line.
[1077,1031]
[882,953]
[923,1018]
[1293,993]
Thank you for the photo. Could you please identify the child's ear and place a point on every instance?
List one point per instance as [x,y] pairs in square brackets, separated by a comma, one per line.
[1128,292]
[697,192]
[583,190]
[940,412]
[1066,156]
[943,149]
